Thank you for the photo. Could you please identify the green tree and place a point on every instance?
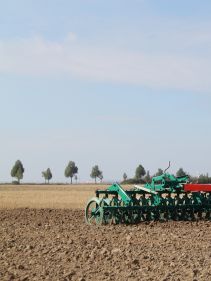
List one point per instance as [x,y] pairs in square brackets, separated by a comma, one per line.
[17,171]
[140,172]
[204,179]
[159,172]
[124,177]
[101,177]
[47,175]
[181,173]
[71,170]
[147,177]
[76,178]
[96,173]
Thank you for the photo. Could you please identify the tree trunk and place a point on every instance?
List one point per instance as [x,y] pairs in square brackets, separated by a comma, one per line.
[71,180]
[95,180]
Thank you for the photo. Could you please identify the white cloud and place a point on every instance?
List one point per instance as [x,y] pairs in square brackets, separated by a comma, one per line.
[71,37]
[37,56]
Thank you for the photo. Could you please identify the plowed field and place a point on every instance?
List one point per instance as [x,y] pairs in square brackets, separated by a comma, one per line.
[55,244]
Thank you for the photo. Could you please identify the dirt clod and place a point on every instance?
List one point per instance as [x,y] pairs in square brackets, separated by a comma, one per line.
[57,245]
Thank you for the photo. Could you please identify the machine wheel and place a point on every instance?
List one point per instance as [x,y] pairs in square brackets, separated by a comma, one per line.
[94,212]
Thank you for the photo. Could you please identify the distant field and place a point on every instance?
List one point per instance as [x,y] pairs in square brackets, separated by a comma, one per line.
[47,196]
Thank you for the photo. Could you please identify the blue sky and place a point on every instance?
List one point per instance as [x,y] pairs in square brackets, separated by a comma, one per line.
[113,83]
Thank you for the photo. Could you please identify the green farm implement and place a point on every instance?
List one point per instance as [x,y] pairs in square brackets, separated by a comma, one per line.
[166,198]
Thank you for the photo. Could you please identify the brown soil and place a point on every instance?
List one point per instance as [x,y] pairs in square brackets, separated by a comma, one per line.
[58,245]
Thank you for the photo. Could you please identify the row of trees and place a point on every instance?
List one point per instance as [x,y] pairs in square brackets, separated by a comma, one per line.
[71,171]
[143,176]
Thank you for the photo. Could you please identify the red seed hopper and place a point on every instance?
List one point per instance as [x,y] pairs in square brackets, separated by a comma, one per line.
[196,187]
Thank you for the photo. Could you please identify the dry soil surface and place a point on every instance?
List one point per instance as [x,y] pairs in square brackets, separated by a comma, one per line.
[50,244]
